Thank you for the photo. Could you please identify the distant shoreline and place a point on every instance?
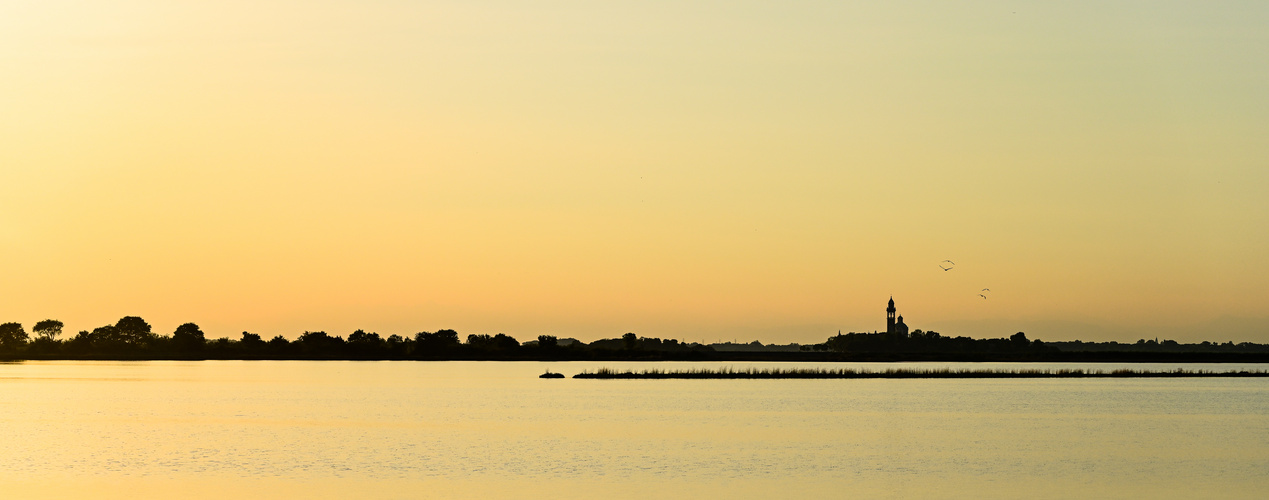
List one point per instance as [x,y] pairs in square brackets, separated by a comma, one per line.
[133,339]
[734,356]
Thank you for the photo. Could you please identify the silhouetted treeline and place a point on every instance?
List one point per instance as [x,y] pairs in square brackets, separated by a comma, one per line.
[757,346]
[132,338]
[1156,345]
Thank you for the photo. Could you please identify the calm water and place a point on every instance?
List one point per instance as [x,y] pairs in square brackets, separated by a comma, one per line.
[295,429]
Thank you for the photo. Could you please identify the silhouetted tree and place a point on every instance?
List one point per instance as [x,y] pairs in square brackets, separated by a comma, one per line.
[133,331]
[361,337]
[548,341]
[81,342]
[319,343]
[361,343]
[434,344]
[503,342]
[279,345]
[45,342]
[48,329]
[221,347]
[499,342]
[313,337]
[12,336]
[396,345]
[630,341]
[1020,340]
[481,341]
[104,339]
[188,338]
[251,341]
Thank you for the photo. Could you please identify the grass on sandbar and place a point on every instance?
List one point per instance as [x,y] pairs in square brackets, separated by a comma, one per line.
[822,373]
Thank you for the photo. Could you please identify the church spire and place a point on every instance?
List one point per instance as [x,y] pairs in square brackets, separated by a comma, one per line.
[890,316]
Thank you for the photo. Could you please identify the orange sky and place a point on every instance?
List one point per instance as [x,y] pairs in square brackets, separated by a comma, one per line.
[705,171]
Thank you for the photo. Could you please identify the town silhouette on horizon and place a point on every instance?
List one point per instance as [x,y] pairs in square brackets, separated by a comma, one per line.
[132,338]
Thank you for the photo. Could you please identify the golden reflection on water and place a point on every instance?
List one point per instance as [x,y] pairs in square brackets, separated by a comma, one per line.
[234,487]
[481,429]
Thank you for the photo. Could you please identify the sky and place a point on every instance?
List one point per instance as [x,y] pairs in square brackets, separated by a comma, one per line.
[701,170]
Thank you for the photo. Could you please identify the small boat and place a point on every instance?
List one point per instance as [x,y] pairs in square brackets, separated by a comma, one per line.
[548,374]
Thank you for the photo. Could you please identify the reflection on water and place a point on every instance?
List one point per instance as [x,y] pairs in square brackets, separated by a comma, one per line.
[334,429]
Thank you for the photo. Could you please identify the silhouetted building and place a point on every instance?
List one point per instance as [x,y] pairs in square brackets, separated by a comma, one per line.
[890,316]
[895,326]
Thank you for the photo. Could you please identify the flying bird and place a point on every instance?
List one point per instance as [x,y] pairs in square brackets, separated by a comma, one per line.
[986,289]
[983,296]
[948,268]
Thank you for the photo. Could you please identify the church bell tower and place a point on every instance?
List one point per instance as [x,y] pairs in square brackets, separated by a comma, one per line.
[890,317]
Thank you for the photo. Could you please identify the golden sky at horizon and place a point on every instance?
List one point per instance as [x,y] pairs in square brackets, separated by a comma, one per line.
[701,170]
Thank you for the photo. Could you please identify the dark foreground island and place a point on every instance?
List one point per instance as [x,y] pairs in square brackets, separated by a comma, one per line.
[820,373]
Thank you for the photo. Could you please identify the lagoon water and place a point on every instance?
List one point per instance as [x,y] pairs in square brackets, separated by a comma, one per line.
[337,429]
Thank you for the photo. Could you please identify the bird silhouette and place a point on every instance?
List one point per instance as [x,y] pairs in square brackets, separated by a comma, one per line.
[986,289]
[983,296]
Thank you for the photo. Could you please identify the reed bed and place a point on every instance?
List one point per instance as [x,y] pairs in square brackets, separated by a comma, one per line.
[825,373]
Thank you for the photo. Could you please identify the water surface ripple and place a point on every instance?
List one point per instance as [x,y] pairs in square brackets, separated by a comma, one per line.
[393,429]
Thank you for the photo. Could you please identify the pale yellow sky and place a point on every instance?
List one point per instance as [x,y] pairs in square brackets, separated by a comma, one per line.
[698,170]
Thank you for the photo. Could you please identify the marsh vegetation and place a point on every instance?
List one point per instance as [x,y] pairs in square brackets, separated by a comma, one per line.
[851,373]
